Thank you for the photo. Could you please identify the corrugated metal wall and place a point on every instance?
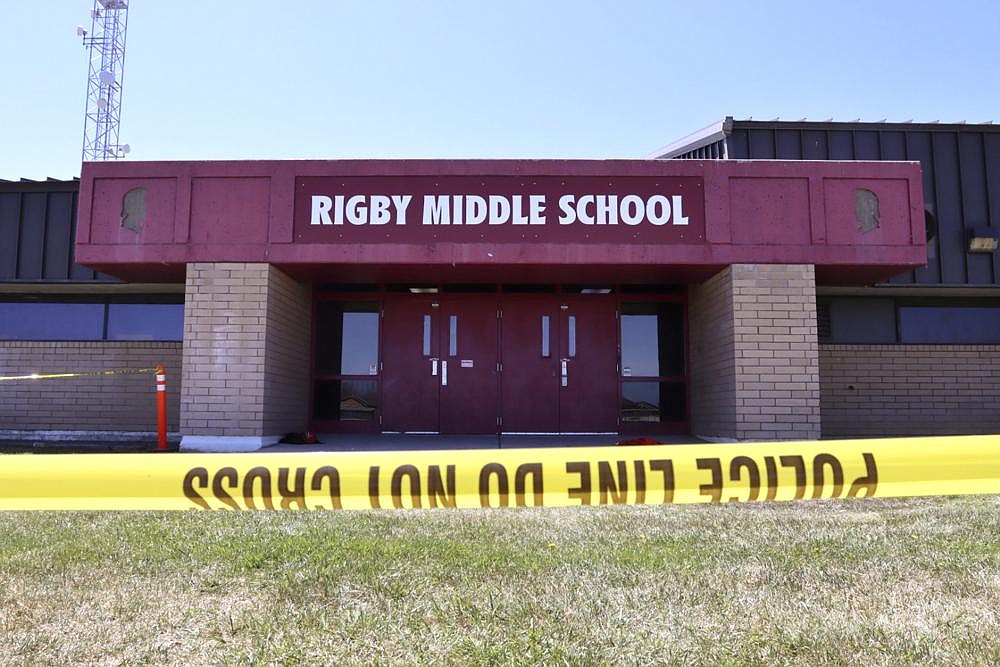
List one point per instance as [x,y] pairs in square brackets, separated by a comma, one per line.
[37,231]
[961,172]
[713,151]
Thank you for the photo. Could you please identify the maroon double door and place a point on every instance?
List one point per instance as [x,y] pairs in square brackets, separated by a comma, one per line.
[516,364]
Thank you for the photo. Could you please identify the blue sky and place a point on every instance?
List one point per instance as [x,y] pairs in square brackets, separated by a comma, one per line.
[223,79]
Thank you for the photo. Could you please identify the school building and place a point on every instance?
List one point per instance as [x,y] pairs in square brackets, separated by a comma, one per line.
[754,280]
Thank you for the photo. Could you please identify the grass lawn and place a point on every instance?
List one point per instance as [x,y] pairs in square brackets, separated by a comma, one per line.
[859,582]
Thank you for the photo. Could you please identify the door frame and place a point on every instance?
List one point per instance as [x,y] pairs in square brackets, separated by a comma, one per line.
[379,293]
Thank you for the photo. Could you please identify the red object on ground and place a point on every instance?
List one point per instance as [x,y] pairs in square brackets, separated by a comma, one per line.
[161,407]
[640,441]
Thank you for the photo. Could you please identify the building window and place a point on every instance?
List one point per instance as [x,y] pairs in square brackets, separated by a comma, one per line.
[860,320]
[949,324]
[145,321]
[83,320]
[908,320]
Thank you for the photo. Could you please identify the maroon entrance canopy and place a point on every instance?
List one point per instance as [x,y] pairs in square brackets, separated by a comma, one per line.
[502,220]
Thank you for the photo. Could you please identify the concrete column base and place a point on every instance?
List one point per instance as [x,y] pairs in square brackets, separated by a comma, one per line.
[226,443]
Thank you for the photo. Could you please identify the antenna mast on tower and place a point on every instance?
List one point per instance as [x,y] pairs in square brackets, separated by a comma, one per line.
[106,41]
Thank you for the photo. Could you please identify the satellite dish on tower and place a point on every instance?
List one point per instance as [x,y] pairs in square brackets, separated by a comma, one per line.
[105,42]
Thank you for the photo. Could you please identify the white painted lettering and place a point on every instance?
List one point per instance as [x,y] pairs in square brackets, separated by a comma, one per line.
[519,217]
[321,210]
[581,209]
[338,210]
[661,202]
[436,211]
[499,210]
[357,212]
[380,210]
[400,203]
[607,209]
[475,210]
[536,208]
[568,216]
[679,217]
[632,209]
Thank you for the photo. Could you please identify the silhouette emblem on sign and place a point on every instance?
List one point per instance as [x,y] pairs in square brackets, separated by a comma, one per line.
[866,210]
[134,209]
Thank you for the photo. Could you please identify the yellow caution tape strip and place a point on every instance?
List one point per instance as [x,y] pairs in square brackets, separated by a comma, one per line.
[47,376]
[504,477]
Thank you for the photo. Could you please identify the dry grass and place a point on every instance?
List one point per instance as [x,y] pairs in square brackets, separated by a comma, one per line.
[833,582]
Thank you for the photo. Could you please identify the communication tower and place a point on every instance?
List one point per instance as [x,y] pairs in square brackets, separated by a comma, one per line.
[106,41]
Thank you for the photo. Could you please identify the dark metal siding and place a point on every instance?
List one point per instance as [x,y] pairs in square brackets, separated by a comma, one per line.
[713,151]
[961,179]
[37,232]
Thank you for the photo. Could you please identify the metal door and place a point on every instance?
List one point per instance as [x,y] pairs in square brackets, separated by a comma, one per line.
[468,357]
[588,364]
[529,352]
[411,364]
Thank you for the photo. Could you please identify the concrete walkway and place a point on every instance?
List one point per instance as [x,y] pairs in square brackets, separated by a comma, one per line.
[341,442]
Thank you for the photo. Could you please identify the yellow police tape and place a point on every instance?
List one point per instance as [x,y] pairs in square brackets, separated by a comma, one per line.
[49,376]
[504,477]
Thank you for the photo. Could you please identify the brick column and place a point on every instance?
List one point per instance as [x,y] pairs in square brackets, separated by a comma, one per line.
[754,354]
[246,356]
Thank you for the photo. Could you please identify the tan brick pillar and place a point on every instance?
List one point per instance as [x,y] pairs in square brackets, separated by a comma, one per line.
[246,356]
[754,354]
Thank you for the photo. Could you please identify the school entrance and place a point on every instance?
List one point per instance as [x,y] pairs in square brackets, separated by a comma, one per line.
[488,359]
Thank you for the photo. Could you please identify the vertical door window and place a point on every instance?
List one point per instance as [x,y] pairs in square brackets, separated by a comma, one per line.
[546,350]
[572,336]
[426,349]
[653,374]
[453,336]
[347,365]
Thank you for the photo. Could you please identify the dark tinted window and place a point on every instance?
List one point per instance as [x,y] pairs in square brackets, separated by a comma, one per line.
[146,321]
[51,321]
[652,339]
[347,338]
[862,320]
[346,400]
[653,402]
[949,324]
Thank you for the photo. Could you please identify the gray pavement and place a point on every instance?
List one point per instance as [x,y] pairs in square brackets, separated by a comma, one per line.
[341,442]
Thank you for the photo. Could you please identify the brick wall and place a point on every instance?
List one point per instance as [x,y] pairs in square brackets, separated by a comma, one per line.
[754,354]
[286,372]
[885,390]
[95,403]
[777,364]
[241,323]
[712,356]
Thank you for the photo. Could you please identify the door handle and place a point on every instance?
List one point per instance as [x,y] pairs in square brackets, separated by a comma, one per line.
[565,372]
[434,366]
[444,373]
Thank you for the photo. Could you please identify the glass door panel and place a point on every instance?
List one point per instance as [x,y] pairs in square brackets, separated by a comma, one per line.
[346,370]
[653,368]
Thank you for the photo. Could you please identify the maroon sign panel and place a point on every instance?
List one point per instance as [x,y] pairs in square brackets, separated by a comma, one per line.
[501,209]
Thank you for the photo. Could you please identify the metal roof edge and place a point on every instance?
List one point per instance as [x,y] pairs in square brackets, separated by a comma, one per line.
[48,185]
[926,126]
[706,135]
